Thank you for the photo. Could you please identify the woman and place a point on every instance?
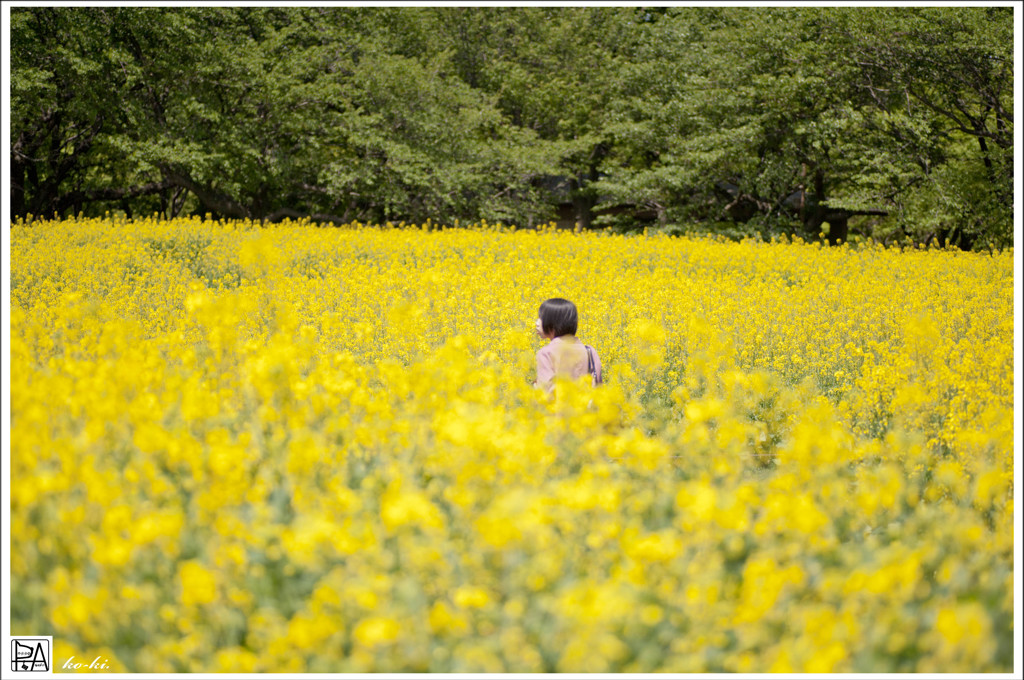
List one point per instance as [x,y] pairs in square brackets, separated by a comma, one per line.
[565,355]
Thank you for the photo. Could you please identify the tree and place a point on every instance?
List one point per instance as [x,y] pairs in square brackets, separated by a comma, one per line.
[255,114]
[553,72]
[787,119]
[62,76]
[738,120]
[941,81]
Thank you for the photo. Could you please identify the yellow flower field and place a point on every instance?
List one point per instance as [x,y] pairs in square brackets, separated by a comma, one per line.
[291,449]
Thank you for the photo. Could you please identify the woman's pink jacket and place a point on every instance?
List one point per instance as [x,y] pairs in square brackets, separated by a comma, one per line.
[564,356]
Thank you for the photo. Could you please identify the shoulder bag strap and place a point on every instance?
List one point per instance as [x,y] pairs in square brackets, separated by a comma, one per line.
[591,368]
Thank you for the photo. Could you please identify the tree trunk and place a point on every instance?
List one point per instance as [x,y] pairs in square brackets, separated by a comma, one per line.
[583,207]
[839,228]
[583,200]
[17,188]
[816,215]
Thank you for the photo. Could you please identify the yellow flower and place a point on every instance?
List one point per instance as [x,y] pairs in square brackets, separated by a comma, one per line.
[442,619]
[337,427]
[471,597]
[198,584]
[376,631]
[966,623]
[408,507]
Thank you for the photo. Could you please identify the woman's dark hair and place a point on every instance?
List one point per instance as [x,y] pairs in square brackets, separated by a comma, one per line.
[558,316]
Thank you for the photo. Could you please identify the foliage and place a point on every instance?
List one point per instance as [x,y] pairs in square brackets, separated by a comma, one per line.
[289,449]
[808,115]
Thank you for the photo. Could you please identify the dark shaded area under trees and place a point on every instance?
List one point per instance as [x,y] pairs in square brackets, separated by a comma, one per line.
[890,123]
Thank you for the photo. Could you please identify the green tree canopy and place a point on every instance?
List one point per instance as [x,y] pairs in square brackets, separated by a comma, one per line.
[892,122]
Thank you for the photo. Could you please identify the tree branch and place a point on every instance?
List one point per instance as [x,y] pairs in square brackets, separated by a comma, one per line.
[959,124]
[211,200]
